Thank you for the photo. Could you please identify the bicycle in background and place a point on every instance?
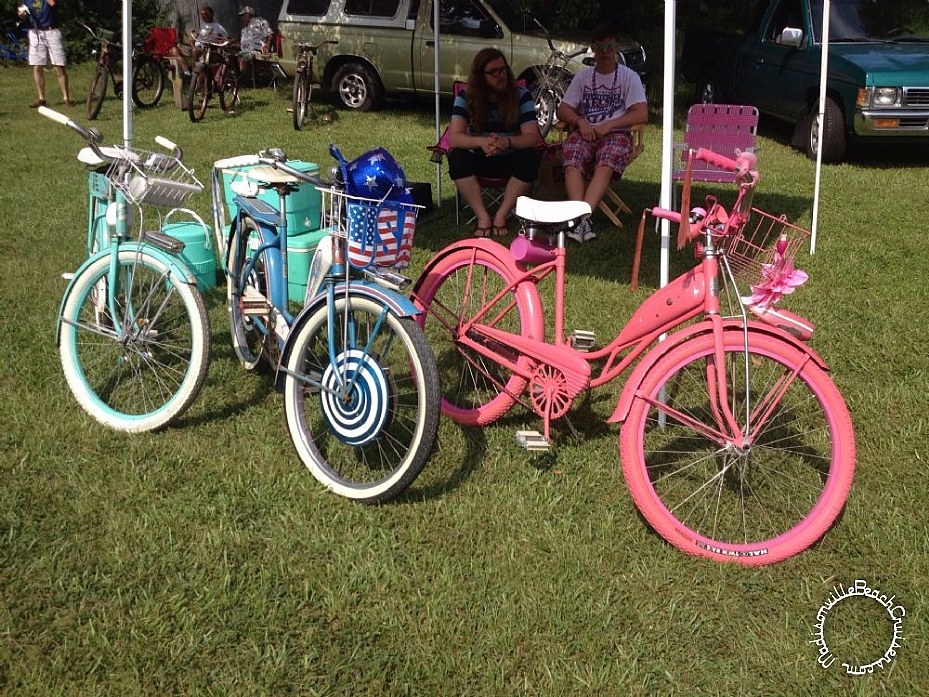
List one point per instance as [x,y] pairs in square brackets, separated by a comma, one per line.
[735,443]
[550,83]
[108,55]
[150,69]
[133,332]
[305,80]
[361,390]
[216,72]
[14,44]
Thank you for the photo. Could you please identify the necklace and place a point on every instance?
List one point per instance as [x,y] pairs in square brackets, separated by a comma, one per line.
[593,80]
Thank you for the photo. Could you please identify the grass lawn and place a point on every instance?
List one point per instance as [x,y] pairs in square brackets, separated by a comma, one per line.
[205,560]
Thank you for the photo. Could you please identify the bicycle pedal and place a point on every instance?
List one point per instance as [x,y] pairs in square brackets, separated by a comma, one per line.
[583,340]
[532,440]
[388,279]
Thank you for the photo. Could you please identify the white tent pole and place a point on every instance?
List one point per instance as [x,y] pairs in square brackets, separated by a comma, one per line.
[820,122]
[667,134]
[438,115]
[127,73]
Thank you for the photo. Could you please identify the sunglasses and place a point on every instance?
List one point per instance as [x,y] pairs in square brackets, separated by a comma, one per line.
[496,72]
[605,46]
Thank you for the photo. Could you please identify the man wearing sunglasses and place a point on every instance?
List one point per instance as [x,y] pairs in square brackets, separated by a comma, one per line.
[600,104]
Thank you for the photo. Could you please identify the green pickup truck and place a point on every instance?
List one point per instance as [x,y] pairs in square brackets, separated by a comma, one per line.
[878,81]
[388,46]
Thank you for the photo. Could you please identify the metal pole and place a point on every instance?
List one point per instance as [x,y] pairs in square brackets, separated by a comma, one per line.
[438,133]
[127,73]
[820,122]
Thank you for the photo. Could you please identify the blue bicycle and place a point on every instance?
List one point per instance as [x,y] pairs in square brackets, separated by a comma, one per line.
[14,46]
[360,384]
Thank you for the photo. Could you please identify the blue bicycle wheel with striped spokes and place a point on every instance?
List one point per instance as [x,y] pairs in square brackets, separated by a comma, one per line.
[355,397]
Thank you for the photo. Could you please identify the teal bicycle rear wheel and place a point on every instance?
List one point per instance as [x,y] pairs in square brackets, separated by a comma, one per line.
[139,366]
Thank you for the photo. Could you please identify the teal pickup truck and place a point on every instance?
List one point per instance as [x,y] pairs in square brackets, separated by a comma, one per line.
[878,81]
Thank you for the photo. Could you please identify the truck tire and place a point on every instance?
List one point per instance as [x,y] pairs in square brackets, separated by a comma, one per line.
[832,138]
[356,87]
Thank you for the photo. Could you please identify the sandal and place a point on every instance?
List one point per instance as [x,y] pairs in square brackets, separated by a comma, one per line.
[483,231]
[500,231]
[37,103]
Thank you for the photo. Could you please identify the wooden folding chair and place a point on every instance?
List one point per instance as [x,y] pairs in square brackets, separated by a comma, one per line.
[611,205]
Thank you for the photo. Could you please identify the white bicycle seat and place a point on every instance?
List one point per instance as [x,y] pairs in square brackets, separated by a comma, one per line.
[551,211]
[270,175]
[88,157]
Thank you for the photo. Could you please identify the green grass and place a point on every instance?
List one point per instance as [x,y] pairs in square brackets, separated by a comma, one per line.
[206,560]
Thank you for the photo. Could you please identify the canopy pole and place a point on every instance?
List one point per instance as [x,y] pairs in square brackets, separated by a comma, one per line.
[438,133]
[127,73]
[667,135]
[820,122]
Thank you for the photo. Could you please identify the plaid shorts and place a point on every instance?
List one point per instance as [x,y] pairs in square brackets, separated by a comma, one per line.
[45,44]
[613,150]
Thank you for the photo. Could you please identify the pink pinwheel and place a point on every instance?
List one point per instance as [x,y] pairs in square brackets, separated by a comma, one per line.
[780,279]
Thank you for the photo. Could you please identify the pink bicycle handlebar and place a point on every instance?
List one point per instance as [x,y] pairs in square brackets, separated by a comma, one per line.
[717,160]
[673,216]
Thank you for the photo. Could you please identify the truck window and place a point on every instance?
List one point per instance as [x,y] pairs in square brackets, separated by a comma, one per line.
[789,13]
[315,8]
[467,18]
[372,8]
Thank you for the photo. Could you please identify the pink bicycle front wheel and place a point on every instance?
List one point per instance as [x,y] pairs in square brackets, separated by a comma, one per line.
[755,503]
[454,287]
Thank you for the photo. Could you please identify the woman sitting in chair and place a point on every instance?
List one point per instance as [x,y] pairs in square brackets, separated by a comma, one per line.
[493,134]
[601,101]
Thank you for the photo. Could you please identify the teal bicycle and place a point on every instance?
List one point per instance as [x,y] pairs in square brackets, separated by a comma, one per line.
[133,332]
[360,384]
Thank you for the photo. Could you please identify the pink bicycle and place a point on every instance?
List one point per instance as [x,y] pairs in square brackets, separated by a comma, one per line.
[735,443]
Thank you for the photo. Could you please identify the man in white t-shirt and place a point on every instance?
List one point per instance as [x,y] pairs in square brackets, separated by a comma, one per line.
[600,104]
[210,30]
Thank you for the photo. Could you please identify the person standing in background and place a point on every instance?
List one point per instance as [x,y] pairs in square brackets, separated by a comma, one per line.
[45,45]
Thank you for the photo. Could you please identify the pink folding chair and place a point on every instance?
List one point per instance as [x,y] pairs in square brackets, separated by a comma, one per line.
[722,128]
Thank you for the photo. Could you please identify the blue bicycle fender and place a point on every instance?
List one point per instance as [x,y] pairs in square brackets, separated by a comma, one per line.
[178,268]
[258,210]
[661,350]
[397,304]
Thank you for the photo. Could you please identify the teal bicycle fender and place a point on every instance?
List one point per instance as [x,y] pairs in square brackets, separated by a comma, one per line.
[396,304]
[651,357]
[177,266]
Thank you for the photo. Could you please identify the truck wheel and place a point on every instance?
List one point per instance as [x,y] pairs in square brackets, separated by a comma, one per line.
[832,138]
[356,87]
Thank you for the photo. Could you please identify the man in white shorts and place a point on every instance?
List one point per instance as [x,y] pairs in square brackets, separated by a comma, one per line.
[45,45]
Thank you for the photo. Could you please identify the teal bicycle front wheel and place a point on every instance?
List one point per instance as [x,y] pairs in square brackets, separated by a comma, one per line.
[363,424]
[139,362]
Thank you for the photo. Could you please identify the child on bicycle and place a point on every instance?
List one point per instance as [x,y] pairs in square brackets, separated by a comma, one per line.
[601,101]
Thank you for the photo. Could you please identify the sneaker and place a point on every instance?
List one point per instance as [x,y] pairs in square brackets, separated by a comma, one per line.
[588,229]
[582,233]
